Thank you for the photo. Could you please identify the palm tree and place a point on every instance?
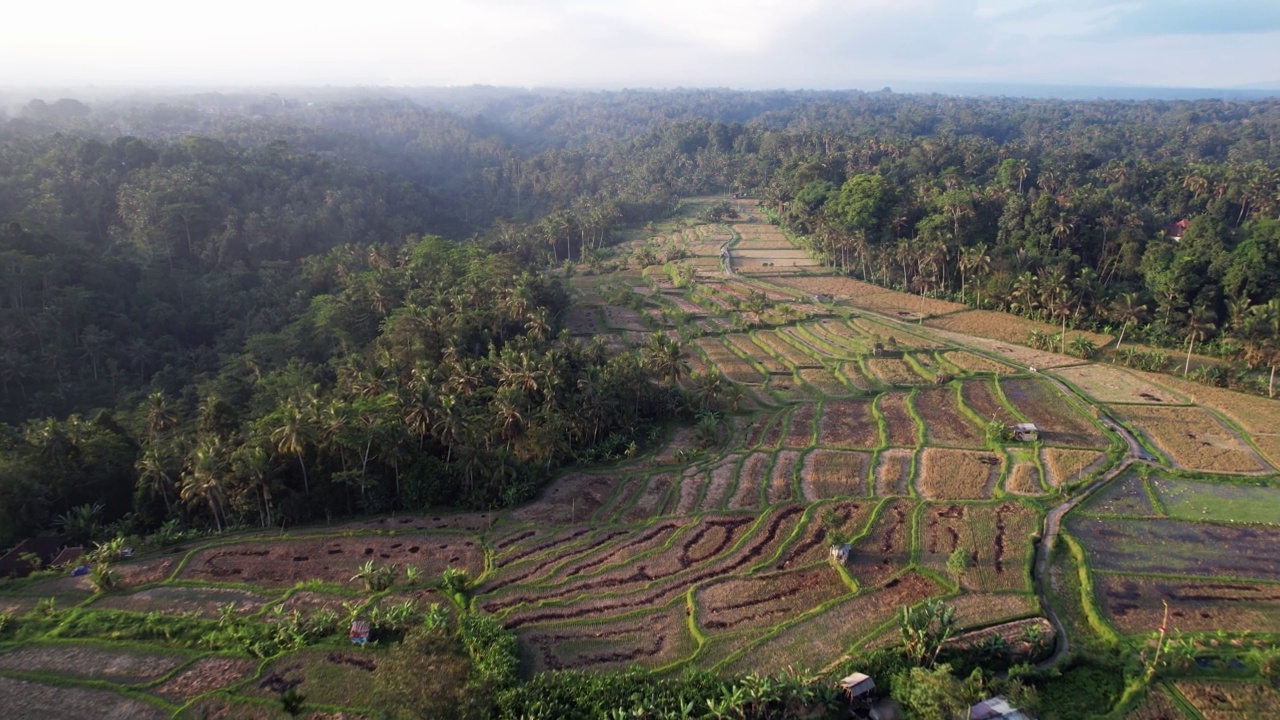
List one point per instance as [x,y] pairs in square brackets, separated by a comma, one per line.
[292,434]
[153,476]
[973,259]
[204,481]
[1128,311]
[1199,321]
[664,356]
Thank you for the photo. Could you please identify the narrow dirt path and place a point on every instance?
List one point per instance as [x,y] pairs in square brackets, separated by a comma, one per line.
[1053,523]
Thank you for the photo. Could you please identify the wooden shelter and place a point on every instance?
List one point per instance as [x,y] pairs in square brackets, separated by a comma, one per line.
[1026,432]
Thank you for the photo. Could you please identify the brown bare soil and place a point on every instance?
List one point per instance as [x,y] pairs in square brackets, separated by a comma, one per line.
[893,472]
[204,675]
[91,662]
[584,321]
[1219,700]
[652,640]
[692,484]
[800,433]
[26,700]
[178,600]
[1059,421]
[894,337]
[752,479]
[657,580]
[773,342]
[833,474]
[886,549]
[981,397]
[848,424]
[978,609]
[283,563]
[764,600]
[1135,604]
[870,297]
[944,424]
[1194,439]
[607,551]
[572,498]
[620,318]
[996,537]
[899,425]
[1063,466]
[947,474]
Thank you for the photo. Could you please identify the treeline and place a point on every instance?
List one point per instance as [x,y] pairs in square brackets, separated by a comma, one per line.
[429,373]
[1171,253]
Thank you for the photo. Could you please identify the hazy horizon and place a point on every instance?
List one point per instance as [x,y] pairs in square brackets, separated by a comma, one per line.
[573,44]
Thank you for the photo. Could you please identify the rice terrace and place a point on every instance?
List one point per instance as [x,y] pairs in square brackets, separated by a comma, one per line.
[1141,512]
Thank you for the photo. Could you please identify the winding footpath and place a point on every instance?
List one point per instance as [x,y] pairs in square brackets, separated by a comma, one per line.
[1053,523]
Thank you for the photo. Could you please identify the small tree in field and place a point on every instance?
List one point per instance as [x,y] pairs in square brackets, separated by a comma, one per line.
[958,563]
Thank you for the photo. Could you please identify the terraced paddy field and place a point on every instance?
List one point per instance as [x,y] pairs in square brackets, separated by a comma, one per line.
[717,554]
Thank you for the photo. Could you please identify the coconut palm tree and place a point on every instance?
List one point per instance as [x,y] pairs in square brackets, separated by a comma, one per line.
[1199,321]
[292,434]
[1127,310]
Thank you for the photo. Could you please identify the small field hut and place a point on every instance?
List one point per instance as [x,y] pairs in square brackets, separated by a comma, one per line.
[359,633]
[1026,432]
[858,685]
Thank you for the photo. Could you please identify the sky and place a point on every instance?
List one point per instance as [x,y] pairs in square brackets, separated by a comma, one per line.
[750,44]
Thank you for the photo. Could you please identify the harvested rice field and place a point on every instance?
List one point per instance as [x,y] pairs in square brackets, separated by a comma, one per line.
[1024,474]
[1063,466]
[996,537]
[892,372]
[947,474]
[944,423]
[1194,439]
[1004,327]
[728,362]
[977,364]
[1223,700]
[893,472]
[1109,384]
[834,474]
[1060,422]
[1135,604]
[1178,547]
[848,424]
[900,427]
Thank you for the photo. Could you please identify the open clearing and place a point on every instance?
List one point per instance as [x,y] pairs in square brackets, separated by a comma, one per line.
[1221,502]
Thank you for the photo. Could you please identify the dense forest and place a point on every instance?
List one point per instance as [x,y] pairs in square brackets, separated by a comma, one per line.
[253,309]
